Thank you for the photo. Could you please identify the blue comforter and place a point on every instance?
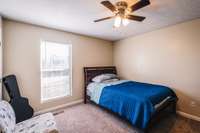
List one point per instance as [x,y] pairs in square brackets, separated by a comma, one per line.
[134,101]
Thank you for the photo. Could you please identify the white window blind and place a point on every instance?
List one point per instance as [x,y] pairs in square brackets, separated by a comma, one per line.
[55,70]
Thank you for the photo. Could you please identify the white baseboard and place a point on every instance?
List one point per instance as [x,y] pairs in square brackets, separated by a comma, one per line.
[58,107]
[189,116]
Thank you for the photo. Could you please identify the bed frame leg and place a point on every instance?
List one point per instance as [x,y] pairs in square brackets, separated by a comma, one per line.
[145,130]
[174,107]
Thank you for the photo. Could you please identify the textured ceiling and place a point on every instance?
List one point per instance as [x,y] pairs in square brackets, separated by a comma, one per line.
[77,15]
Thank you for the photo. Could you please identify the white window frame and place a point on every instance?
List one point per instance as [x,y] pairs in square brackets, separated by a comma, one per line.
[70,76]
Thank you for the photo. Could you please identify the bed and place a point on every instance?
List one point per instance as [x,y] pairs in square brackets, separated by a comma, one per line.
[139,103]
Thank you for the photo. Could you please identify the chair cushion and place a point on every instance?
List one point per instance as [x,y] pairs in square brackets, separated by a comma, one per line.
[7,117]
[40,124]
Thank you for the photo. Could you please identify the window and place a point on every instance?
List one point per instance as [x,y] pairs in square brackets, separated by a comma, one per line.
[55,70]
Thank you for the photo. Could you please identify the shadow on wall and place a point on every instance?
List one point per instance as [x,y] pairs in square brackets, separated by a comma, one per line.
[187,103]
[5,94]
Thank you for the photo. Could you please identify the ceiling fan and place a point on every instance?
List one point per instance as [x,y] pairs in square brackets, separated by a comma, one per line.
[122,13]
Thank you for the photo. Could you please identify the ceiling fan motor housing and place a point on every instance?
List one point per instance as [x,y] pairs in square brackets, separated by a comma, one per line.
[122,4]
[121,8]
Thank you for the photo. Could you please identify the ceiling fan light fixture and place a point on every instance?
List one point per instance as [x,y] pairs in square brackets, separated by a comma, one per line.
[125,21]
[118,21]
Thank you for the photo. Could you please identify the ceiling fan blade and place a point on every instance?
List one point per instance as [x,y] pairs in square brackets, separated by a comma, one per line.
[136,18]
[140,4]
[109,5]
[102,19]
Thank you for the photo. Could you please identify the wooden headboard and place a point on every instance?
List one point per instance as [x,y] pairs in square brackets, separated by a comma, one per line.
[91,72]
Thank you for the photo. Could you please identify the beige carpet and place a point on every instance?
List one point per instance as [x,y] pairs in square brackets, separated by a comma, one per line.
[89,118]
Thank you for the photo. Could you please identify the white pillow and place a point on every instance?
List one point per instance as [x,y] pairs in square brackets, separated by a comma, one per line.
[103,77]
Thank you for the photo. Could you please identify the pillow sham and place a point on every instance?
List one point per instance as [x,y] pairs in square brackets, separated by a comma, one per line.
[111,80]
[103,77]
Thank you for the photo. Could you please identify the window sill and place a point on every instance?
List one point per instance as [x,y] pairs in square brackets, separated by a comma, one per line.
[54,99]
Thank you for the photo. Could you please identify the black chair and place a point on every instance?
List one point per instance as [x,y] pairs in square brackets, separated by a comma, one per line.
[23,110]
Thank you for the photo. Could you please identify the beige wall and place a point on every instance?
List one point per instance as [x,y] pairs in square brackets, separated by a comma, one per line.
[1,71]
[169,56]
[1,28]
[22,57]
